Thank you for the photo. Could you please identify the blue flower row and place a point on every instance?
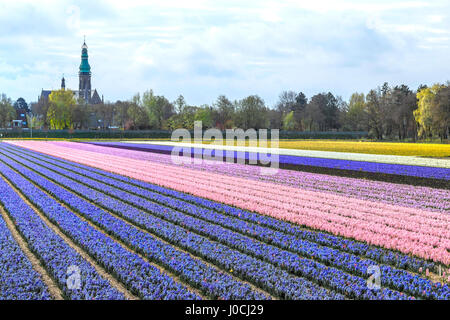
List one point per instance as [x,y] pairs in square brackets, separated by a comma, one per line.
[208,279]
[348,284]
[19,281]
[392,277]
[263,274]
[137,274]
[56,255]
[380,255]
[397,279]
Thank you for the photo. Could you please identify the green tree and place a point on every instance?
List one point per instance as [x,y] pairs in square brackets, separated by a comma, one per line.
[205,115]
[225,112]
[356,117]
[59,114]
[158,109]
[441,112]
[21,104]
[289,122]
[137,116]
[180,104]
[424,112]
[80,116]
[314,117]
[252,113]
[299,109]
[121,108]
[7,112]
[375,116]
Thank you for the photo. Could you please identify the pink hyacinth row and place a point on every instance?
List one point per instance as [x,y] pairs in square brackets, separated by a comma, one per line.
[410,230]
[396,194]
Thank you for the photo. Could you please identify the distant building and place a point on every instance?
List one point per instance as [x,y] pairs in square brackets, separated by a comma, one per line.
[84,87]
[22,110]
[21,119]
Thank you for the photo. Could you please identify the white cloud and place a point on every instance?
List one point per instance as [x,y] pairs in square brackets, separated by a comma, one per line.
[206,48]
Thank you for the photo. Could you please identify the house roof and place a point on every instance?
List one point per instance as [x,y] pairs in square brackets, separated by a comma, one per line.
[45,93]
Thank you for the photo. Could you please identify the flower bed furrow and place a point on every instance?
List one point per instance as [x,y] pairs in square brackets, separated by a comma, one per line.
[387,164]
[261,273]
[53,252]
[19,280]
[394,278]
[404,195]
[416,243]
[208,279]
[137,275]
[409,220]
[397,194]
[378,254]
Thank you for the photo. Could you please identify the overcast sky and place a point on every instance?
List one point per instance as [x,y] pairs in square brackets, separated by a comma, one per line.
[202,49]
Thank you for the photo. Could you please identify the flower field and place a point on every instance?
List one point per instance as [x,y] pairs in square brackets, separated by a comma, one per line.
[388,148]
[393,168]
[140,227]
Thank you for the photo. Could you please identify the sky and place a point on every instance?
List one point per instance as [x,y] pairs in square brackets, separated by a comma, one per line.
[203,49]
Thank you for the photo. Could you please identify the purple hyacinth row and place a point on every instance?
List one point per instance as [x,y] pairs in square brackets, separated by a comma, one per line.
[397,194]
[379,255]
[139,276]
[19,281]
[394,278]
[265,275]
[208,279]
[350,285]
[384,168]
[56,255]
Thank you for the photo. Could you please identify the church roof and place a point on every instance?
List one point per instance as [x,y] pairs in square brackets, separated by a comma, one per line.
[96,98]
[45,93]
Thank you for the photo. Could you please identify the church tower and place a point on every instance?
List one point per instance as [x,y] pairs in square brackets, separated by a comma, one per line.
[85,75]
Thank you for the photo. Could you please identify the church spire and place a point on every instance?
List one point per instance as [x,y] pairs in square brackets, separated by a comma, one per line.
[84,66]
[84,88]
[63,83]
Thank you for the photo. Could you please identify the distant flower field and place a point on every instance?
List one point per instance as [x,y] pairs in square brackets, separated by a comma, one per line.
[138,226]
[392,148]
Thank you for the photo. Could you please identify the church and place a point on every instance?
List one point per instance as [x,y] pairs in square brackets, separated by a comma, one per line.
[84,91]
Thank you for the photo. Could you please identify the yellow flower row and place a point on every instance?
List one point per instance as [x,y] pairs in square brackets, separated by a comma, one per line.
[388,148]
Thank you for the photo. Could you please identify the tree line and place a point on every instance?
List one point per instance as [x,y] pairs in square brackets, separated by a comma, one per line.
[387,112]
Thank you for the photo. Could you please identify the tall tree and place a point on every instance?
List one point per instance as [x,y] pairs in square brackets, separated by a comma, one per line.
[299,109]
[441,112]
[122,113]
[252,113]
[205,115]
[225,112]
[7,112]
[331,112]
[314,112]
[289,123]
[375,113]
[158,108]
[21,104]
[286,104]
[80,116]
[59,114]
[137,116]
[424,112]
[356,117]
[180,104]
[105,113]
